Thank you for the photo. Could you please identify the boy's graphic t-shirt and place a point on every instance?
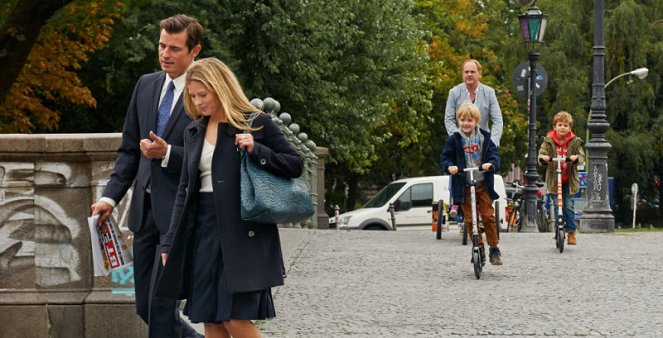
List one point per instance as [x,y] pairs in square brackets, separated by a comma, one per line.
[472,150]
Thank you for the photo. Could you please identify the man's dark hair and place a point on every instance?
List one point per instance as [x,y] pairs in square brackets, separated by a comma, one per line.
[179,23]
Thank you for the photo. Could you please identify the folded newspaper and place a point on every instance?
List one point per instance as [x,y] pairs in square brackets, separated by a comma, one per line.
[109,247]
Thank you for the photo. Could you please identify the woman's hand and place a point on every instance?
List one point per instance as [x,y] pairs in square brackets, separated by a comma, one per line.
[244,141]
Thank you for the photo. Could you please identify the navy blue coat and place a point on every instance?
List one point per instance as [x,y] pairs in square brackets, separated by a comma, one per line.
[131,166]
[454,155]
[251,251]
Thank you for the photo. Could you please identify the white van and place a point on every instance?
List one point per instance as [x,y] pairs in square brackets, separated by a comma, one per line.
[413,199]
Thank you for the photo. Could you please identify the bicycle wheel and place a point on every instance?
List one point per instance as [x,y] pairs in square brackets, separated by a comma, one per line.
[519,221]
[542,221]
[512,220]
[440,222]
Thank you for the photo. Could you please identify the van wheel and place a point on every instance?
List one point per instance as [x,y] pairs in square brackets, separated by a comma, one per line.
[373,227]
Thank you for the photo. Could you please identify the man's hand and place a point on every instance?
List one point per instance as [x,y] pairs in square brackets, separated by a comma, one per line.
[102,209]
[486,166]
[164,258]
[453,170]
[573,158]
[154,149]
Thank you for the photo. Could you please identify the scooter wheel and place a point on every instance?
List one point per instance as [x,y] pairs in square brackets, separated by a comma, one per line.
[560,240]
[476,260]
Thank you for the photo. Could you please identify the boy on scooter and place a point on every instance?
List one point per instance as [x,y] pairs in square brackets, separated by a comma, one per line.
[470,147]
[560,141]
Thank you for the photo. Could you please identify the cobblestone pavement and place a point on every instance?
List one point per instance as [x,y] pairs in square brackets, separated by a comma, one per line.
[408,284]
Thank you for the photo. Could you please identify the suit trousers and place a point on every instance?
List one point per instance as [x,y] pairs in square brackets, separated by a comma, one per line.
[161,314]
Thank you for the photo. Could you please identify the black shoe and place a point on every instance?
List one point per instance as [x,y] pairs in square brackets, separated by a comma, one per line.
[495,256]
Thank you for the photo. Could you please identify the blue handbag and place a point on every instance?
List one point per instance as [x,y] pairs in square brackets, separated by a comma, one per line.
[269,198]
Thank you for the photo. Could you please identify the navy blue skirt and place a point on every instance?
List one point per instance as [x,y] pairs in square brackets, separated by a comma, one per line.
[209,299]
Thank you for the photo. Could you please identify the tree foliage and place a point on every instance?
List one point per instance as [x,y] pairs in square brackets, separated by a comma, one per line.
[20,23]
[50,71]
[367,79]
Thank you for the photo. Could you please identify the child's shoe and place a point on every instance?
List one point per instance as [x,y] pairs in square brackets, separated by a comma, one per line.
[495,256]
[571,238]
[454,211]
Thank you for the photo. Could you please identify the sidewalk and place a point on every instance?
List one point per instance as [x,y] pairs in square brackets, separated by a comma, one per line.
[408,284]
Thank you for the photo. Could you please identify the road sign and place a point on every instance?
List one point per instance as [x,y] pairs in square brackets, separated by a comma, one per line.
[520,79]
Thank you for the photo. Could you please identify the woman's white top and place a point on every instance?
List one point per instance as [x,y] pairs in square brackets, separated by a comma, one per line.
[205,167]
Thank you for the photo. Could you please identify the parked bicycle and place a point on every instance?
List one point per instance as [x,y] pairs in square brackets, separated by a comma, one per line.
[515,222]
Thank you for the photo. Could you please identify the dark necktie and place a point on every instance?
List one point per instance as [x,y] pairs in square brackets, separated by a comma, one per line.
[164,108]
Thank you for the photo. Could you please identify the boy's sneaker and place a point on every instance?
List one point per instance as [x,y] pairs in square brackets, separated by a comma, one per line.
[495,256]
[454,211]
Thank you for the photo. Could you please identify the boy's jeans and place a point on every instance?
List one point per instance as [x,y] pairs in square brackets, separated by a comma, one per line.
[568,209]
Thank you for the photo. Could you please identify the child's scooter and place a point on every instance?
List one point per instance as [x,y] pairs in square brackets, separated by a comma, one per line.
[559,220]
[476,253]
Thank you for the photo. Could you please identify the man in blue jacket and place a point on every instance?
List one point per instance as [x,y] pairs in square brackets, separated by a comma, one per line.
[473,91]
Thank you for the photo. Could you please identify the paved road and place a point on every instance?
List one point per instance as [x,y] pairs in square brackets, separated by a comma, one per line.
[408,284]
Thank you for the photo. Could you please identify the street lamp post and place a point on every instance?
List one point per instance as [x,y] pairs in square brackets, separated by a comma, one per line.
[597,216]
[533,26]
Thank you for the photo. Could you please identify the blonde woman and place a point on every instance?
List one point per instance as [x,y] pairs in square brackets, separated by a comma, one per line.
[225,267]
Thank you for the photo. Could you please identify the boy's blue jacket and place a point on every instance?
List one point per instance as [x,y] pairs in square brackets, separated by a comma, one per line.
[453,154]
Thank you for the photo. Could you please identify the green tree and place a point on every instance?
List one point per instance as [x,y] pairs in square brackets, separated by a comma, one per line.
[20,23]
[50,71]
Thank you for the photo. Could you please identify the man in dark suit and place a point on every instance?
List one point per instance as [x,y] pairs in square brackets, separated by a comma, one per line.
[151,156]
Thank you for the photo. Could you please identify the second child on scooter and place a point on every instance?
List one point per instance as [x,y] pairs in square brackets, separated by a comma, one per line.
[560,141]
[471,147]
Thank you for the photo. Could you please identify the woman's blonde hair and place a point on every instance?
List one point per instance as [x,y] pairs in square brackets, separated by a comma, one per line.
[219,79]
[469,109]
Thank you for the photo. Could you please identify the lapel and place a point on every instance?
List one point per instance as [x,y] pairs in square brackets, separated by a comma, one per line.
[156,95]
[195,146]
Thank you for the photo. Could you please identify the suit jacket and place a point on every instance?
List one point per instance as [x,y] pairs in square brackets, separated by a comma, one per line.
[251,251]
[485,99]
[454,155]
[131,166]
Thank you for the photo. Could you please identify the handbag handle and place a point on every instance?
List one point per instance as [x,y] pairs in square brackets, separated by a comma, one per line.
[249,123]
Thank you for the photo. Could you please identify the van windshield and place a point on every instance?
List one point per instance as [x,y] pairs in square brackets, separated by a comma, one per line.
[384,195]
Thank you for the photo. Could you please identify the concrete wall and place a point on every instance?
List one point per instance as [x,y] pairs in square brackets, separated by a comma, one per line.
[47,288]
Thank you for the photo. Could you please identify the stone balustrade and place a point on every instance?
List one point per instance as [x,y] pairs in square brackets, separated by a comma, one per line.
[47,287]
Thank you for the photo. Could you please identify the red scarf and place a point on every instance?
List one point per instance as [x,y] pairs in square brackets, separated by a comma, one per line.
[562,149]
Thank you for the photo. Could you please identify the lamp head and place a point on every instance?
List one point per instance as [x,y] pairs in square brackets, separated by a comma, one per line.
[533,23]
[641,73]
